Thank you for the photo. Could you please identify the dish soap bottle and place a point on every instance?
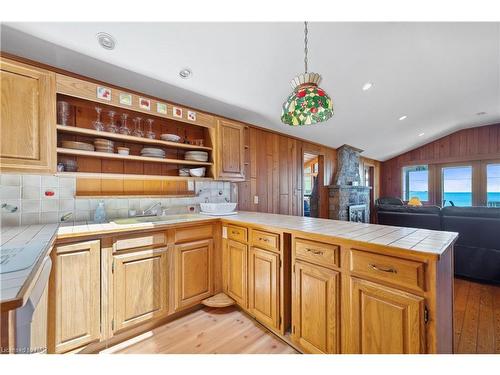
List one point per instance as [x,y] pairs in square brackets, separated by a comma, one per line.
[100,213]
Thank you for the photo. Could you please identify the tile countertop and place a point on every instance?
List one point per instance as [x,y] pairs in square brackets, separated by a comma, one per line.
[31,243]
[412,239]
[420,241]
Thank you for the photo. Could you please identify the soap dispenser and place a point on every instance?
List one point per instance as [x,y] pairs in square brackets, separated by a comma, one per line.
[100,213]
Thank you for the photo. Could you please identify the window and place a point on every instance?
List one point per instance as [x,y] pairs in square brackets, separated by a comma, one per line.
[416,182]
[310,172]
[493,185]
[457,186]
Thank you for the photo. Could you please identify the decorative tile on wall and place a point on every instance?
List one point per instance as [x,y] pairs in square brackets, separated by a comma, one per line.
[34,199]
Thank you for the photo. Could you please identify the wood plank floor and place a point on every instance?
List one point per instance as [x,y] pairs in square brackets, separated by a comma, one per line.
[207,331]
[477,318]
[228,330]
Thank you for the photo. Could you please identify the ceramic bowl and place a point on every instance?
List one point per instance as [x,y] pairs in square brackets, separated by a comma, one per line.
[197,172]
[123,150]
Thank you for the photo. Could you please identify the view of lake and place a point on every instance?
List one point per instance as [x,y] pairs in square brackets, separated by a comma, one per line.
[460,199]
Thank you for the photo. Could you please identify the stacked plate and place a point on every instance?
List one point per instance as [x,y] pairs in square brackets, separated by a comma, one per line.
[77,145]
[196,155]
[170,137]
[153,152]
[104,145]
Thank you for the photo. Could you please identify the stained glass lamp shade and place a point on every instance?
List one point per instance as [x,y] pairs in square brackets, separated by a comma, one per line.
[308,104]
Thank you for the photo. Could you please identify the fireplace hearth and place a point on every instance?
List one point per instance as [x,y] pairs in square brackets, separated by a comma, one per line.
[346,190]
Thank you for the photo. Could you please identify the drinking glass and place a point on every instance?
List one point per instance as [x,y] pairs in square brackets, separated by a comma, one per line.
[112,128]
[98,125]
[63,111]
[124,128]
[138,127]
[150,133]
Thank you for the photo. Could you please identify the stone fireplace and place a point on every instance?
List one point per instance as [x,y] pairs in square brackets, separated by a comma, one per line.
[346,190]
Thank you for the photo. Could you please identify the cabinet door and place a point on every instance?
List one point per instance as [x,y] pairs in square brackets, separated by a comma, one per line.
[75,302]
[236,268]
[315,308]
[263,291]
[193,272]
[27,123]
[231,150]
[385,320]
[140,283]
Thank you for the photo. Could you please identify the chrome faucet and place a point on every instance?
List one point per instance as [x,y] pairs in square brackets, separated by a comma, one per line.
[150,209]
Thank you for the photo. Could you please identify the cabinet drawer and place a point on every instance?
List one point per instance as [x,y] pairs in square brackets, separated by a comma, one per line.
[317,252]
[193,233]
[265,240]
[134,241]
[237,233]
[397,271]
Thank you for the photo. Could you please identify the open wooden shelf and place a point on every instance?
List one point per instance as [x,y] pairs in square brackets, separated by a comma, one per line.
[128,138]
[114,176]
[105,155]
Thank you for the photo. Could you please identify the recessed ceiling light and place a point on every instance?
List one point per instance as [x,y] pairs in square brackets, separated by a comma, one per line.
[367,86]
[421,134]
[480,113]
[106,41]
[185,73]
[403,118]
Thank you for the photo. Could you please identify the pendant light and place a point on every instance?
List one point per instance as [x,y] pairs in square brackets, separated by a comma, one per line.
[307,104]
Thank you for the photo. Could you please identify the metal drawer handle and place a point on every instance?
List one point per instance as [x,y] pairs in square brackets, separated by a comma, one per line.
[376,268]
[314,251]
[234,232]
[264,239]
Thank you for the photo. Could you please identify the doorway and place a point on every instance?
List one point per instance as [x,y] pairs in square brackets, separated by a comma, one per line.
[313,176]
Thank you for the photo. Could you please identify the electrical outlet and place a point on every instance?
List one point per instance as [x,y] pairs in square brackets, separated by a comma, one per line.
[255,199]
[190,185]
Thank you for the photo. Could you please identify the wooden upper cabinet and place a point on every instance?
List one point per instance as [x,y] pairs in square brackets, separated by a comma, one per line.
[315,316]
[28,118]
[140,287]
[74,302]
[193,272]
[263,286]
[235,263]
[230,150]
[386,320]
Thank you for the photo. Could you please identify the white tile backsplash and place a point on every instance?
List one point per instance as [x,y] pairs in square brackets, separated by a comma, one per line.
[27,192]
[32,180]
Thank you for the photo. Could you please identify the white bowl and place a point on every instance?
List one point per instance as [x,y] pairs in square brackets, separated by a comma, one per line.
[197,172]
[170,137]
[218,208]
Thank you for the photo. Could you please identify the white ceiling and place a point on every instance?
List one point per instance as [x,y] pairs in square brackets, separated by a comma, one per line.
[438,74]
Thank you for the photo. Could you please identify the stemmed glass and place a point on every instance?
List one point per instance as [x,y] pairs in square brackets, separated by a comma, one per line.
[112,128]
[98,125]
[138,127]
[150,133]
[123,128]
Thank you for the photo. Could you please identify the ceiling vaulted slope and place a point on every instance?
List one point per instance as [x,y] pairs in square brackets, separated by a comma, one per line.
[438,74]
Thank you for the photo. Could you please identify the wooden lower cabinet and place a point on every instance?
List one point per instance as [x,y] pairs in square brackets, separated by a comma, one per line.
[139,287]
[386,320]
[236,262]
[263,286]
[315,317]
[193,272]
[74,296]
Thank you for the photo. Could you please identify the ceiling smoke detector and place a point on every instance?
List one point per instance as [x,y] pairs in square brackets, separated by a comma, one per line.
[106,41]
[185,73]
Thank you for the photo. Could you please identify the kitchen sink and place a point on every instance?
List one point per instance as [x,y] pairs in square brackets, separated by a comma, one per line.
[154,219]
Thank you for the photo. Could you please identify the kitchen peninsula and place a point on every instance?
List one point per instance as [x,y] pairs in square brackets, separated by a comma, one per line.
[323,286]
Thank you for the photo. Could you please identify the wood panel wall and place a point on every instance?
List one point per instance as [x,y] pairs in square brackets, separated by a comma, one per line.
[274,168]
[468,145]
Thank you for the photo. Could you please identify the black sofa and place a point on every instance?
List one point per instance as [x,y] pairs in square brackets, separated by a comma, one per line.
[477,250]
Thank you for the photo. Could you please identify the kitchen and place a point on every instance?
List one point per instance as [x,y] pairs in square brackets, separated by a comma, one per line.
[138,216]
